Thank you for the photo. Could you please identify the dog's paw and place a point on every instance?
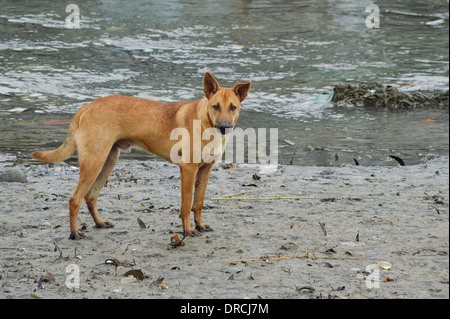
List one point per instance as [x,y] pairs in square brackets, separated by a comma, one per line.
[204,228]
[104,224]
[76,235]
[192,233]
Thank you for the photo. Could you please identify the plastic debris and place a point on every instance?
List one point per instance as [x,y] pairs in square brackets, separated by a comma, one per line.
[324,97]
[384,264]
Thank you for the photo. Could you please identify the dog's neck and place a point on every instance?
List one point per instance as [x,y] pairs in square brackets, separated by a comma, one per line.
[203,114]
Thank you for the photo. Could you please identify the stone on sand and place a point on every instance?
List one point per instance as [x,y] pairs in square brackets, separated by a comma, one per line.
[13,175]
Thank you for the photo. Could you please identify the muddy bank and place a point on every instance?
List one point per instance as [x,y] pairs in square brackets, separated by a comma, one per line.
[400,215]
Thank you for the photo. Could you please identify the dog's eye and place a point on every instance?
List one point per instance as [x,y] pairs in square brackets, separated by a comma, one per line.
[216,107]
[232,107]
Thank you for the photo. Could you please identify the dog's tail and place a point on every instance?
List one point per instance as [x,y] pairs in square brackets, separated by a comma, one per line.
[66,149]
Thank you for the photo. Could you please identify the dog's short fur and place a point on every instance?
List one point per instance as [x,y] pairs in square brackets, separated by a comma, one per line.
[101,129]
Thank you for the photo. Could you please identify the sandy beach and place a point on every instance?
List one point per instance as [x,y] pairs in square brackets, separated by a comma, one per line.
[322,233]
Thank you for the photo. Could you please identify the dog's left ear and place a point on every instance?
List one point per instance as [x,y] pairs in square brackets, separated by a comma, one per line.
[210,85]
[241,90]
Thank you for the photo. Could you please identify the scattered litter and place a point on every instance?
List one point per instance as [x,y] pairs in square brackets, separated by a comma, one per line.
[398,159]
[308,288]
[142,224]
[157,282]
[268,169]
[116,263]
[50,277]
[256,177]
[322,225]
[289,142]
[437,210]
[288,246]
[175,241]
[324,97]
[129,279]
[136,273]
[379,278]
[384,264]
[250,185]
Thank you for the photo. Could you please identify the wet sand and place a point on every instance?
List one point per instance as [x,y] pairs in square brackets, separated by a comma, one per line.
[400,213]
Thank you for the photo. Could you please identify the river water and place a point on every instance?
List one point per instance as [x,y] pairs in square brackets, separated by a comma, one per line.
[291,50]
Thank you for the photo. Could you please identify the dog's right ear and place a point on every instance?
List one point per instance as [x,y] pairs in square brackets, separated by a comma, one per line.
[210,85]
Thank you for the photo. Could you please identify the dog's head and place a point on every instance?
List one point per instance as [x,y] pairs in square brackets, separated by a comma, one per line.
[224,104]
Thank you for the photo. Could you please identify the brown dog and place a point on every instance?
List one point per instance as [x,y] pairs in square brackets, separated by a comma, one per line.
[101,129]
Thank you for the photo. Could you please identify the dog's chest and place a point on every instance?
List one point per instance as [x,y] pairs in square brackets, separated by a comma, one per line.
[214,147]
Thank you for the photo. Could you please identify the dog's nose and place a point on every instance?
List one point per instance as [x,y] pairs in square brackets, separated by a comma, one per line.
[224,128]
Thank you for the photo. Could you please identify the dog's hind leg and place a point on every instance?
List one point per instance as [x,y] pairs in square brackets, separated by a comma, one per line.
[91,164]
[92,195]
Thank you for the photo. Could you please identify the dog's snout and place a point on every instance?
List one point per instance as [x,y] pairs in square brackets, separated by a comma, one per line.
[224,128]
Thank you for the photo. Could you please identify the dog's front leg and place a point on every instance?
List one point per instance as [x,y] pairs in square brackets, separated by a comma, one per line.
[188,175]
[199,195]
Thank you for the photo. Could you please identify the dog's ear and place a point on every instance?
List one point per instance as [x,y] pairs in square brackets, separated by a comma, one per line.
[241,90]
[210,85]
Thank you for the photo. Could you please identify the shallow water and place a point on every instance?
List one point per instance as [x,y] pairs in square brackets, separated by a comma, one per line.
[292,51]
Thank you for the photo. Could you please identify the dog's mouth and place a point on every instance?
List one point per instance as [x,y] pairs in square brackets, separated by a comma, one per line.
[224,129]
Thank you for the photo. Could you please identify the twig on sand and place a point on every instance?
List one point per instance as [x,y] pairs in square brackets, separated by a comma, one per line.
[231,197]
[365,252]
[240,193]
[322,225]
[356,293]
[307,255]
[263,198]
